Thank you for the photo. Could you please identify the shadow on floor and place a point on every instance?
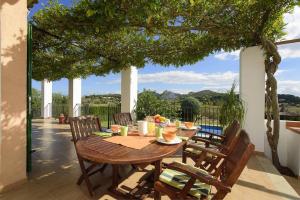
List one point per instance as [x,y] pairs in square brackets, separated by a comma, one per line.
[264,189]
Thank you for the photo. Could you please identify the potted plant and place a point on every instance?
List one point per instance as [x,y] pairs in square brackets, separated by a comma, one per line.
[232,108]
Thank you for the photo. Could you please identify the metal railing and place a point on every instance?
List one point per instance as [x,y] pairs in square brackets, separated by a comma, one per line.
[58,109]
[104,112]
[208,116]
[36,111]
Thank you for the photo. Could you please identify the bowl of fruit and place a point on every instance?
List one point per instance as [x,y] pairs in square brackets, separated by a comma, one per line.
[160,120]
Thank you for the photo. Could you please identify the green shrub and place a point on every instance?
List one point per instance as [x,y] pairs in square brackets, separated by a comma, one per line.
[232,108]
[190,107]
[147,104]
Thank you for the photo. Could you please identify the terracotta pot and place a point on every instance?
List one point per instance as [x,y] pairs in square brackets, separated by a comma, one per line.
[61,119]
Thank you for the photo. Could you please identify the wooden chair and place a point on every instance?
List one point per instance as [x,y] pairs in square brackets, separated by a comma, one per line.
[193,150]
[123,119]
[182,181]
[82,127]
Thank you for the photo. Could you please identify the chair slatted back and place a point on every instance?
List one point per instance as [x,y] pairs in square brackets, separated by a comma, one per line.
[123,119]
[230,133]
[83,126]
[237,159]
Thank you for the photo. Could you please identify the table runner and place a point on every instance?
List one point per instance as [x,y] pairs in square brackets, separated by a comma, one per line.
[135,142]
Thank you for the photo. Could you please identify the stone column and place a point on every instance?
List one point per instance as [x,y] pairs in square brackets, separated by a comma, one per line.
[252,90]
[74,97]
[46,93]
[129,90]
[13,55]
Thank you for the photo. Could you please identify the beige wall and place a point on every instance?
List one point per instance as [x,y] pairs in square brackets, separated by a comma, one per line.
[13,31]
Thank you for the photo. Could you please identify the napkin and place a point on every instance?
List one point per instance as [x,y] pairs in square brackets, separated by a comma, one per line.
[103,134]
[183,138]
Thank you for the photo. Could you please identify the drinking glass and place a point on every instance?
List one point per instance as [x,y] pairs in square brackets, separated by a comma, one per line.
[124,130]
[159,132]
[151,128]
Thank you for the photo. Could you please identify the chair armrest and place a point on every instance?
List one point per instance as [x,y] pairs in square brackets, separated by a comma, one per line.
[206,141]
[194,173]
[207,150]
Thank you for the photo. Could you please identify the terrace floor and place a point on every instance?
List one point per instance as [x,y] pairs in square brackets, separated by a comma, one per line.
[55,171]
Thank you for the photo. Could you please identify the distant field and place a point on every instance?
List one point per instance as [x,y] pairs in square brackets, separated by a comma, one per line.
[293,109]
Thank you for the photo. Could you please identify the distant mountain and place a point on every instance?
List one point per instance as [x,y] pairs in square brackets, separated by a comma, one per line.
[168,95]
[208,96]
[211,97]
[288,99]
[204,93]
[204,96]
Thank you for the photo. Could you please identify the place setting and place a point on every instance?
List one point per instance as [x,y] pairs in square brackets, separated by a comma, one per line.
[157,128]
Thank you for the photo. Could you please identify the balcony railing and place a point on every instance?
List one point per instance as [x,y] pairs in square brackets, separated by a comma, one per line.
[208,117]
[104,112]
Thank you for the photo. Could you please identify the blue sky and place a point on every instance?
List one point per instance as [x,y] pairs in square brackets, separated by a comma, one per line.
[216,72]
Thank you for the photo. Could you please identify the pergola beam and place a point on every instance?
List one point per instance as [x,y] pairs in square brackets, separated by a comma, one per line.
[288,41]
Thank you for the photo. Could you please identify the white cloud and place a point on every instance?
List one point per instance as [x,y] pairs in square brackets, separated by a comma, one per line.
[289,87]
[213,81]
[280,71]
[189,77]
[185,78]
[289,51]
[293,23]
[234,55]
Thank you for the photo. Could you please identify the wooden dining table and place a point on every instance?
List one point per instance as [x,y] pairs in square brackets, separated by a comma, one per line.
[98,150]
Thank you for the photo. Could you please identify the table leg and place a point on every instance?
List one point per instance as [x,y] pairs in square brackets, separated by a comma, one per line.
[183,154]
[115,177]
[115,192]
[157,171]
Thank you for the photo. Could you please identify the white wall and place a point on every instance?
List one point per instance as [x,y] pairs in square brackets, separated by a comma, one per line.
[129,90]
[252,91]
[46,93]
[288,148]
[74,97]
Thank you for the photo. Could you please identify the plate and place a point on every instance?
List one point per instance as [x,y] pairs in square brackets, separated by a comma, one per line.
[110,131]
[185,128]
[177,140]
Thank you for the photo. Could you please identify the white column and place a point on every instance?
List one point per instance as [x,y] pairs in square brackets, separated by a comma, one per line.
[74,97]
[46,93]
[252,90]
[129,90]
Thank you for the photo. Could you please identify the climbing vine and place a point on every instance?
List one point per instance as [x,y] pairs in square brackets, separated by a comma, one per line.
[272,60]
[100,37]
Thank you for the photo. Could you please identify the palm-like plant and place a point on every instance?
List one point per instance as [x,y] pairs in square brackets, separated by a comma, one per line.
[232,108]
